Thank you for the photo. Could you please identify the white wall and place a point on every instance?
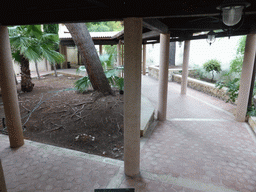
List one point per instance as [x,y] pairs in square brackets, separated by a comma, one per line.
[72,55]
[223,49]
[41,66]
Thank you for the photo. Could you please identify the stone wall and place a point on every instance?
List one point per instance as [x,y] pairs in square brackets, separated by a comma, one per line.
[154,72]
[202,86]
[205,87]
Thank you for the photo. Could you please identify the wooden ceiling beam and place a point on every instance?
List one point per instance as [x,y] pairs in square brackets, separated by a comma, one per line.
[155,25]
[150,34]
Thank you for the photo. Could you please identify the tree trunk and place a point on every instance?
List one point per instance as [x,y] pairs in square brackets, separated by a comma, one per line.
[37,71]
[26,83]
[85,45]
[55,71]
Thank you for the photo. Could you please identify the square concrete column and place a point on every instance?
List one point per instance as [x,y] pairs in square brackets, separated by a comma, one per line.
[118,54]
[184,80]
[100,49]
[122,62]
[9,91]
[63,51]
[2,181]
[246,76]
[144,59]
[163,76]
[132,94]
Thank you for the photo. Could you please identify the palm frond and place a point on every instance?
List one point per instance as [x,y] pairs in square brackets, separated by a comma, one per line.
[51,55]
[13,30]
[79,69]
[16,56]
[21,43]
[54,38]
[106,60]
[83,84]
[34,31]
[32,53]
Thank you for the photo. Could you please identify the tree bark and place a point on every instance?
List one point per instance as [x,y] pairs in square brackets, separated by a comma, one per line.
[37,71]
[26,83]
[85,45]
[55,71]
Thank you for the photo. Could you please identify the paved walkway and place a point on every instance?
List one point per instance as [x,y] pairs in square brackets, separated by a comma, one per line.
[199,148]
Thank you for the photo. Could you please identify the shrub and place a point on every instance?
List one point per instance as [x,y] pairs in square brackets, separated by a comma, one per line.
[212,66]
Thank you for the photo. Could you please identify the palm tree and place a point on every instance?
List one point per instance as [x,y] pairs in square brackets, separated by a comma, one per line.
[29,43]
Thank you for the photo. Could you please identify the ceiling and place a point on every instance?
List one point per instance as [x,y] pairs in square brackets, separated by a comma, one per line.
[180,18]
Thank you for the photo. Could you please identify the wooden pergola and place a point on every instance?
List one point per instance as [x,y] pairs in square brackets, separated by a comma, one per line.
[162,21]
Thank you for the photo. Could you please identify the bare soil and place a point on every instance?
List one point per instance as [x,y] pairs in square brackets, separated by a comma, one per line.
[55,113]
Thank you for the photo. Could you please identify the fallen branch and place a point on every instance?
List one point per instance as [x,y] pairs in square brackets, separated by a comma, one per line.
[71,107]
[58,128]
[77,111]
[88,102]
[25,108]
[57,111]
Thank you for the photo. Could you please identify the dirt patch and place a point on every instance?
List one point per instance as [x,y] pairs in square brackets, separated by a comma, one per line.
[55,113]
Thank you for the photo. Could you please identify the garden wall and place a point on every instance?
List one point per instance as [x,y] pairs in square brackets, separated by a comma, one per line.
[205,87]
[202,86]
[154,72]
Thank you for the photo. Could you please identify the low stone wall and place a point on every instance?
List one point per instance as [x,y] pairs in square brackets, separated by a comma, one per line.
[205,87]
[154,72]
[252,123]
[202,86]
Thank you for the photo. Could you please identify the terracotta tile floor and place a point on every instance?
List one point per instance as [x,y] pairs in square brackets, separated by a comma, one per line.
[199,148]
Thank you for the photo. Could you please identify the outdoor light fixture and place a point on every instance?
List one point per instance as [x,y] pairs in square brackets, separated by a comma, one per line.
[211,37]
[232,11]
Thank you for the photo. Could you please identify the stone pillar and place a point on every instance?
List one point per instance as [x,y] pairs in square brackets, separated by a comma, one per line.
[132,94]
[78,57]
[163,76]
[118,54]
[246,76]
[63,51]
[65,64]
[184,80]
[9,92]
[100,49]
[122,45]
[144,59]
[2,181]
[47,65]
[172,53]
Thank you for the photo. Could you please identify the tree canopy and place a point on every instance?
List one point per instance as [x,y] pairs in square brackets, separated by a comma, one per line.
[105,26]
[237,63]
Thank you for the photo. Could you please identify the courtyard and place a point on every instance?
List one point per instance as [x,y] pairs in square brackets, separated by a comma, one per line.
[199,148]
